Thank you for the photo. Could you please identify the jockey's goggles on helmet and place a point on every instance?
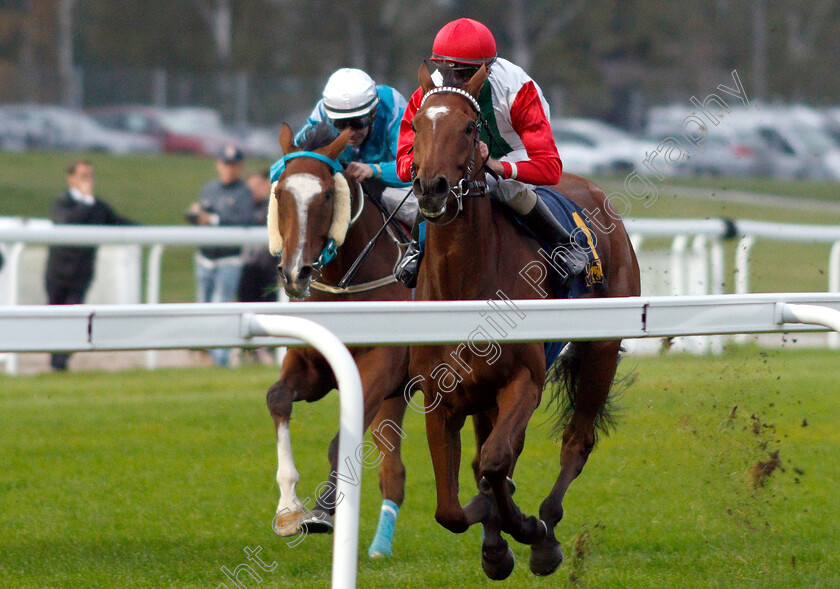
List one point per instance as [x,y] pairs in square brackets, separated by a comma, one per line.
[456,73]
[354,123]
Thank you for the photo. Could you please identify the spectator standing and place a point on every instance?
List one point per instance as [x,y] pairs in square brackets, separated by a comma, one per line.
[259,269]
[223,202]
[70,269]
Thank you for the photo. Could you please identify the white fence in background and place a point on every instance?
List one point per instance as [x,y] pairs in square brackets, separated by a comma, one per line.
[693,265]
[119,327]
[120,259]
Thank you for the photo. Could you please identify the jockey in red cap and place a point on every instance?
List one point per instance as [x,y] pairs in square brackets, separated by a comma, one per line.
[517,137]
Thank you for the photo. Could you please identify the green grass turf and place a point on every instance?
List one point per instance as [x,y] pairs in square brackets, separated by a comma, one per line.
[158,479]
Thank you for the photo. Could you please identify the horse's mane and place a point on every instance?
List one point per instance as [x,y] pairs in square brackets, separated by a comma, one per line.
[319,135]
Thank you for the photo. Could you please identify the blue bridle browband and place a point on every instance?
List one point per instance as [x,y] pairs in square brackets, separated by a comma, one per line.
[330,249]
[280,165]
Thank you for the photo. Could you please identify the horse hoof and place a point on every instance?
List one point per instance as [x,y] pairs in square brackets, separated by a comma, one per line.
[511,485]
[498,564]
[320,522]
[546,557]
[288,524]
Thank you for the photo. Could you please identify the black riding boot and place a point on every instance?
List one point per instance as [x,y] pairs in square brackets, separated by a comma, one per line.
[545,227]
[407,268]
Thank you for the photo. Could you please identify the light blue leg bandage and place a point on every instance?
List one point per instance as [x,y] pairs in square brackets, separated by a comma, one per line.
[381,545]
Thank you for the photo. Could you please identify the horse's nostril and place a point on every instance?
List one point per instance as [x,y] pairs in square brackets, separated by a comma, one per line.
[441,186]
[305,273]
[417,186]
[285,276]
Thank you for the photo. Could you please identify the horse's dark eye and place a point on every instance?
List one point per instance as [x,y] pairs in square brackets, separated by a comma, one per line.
[412,126]
[470,128]
[329,194]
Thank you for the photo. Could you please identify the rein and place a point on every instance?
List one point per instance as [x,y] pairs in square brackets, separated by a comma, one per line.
[466,186]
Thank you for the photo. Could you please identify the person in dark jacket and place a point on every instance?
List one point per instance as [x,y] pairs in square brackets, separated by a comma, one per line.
[259,270]
[70,268]
[226,201]
[259,267]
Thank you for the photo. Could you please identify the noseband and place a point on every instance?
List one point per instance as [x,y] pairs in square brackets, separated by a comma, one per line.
[466,186]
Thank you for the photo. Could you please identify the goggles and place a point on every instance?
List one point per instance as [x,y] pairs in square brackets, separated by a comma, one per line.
[354,123]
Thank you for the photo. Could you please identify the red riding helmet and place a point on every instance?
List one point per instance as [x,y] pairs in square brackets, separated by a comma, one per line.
[464,41]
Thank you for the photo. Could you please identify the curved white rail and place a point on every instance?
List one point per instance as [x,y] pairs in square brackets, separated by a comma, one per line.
[346,538]
[809,314]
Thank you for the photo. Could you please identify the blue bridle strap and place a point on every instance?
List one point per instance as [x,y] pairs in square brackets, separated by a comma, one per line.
[330,249]
[280,165]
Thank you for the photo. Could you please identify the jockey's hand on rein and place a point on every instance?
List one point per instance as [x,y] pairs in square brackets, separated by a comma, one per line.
[357,171]
[494,165]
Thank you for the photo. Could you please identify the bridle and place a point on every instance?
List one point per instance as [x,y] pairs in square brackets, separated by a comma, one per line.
[466,186]
[330,247]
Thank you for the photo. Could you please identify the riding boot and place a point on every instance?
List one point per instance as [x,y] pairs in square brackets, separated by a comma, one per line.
[570,260]
[408,267]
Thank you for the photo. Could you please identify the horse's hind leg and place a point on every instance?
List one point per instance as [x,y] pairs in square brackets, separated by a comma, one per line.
[298,380]
[597,362]
[387,433]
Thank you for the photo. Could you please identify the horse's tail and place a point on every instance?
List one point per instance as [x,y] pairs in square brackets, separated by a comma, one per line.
[562,381]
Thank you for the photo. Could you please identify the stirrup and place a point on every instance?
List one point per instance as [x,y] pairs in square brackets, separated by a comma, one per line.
[409,266]
[572,260]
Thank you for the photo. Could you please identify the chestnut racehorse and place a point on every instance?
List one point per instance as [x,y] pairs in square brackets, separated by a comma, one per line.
[311,213]
[473,251]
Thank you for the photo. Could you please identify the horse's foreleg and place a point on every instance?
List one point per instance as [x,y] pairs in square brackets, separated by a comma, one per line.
[443,433]
[296,381]
[598,364]
[387,433]
[482,426]
[517,402]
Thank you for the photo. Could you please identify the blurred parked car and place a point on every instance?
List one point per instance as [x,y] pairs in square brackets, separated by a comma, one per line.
[13,134]
[260,141]
[723,152]
[599,145]
[780,142]
[179,130]
[799,146]
[57,127]
[203,125]
[831,122]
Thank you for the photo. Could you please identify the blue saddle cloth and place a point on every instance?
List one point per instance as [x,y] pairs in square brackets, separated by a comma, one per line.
[577,223]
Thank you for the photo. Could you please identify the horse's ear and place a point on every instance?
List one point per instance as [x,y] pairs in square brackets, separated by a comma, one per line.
[426,82]
[335,148]
[287,140]
[477,81]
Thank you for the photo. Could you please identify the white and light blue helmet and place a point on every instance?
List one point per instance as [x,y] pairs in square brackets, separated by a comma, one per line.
[350,93]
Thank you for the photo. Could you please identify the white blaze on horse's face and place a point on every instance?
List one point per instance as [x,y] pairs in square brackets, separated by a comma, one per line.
[304,188]
[434,112]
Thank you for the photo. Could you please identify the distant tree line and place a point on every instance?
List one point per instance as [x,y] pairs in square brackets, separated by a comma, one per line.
[607,58]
